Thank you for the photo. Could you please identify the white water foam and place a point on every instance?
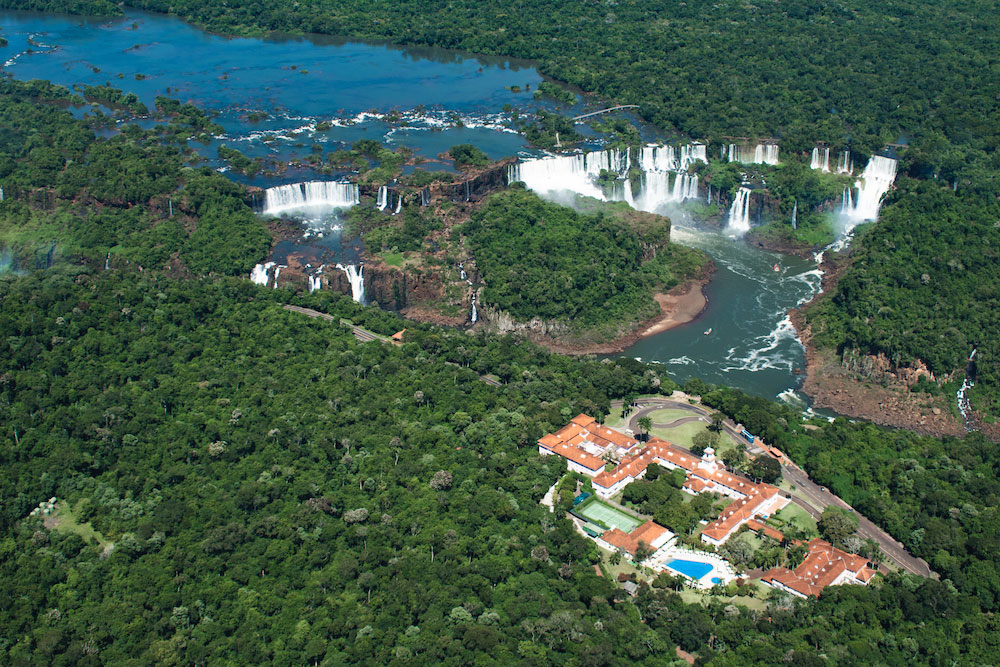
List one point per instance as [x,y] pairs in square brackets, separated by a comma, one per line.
[739,213]
[310,195]
[356,276]
[875,181]
[259,273]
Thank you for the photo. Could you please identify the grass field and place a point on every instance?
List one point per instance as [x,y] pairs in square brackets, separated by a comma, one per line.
[668,415]
[64,520]
[682,435]
[755,603]
[792,513]
[608,516]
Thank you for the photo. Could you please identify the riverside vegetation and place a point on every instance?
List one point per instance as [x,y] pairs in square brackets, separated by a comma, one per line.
[277,492]
[848,74]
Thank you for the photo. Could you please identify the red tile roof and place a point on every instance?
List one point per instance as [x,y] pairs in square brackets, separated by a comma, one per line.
[758,527]
[648,532]
[820,568]
[569,441]
[739,511]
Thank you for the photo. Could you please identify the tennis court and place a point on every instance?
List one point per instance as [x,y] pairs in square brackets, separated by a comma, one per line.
[608,516]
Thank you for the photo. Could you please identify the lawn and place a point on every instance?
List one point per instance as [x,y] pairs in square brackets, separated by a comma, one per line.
[682,435]
[65,521]
[755,603]
[795,515]
[616,421]
[625,566]
[668,415]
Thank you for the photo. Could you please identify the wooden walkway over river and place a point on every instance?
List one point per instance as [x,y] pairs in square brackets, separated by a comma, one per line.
[594,113]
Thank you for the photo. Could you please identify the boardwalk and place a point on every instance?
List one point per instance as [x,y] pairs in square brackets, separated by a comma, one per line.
[594,113]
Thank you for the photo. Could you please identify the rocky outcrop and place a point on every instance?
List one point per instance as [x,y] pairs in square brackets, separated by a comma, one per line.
[395,289]
[494,319]
[879,368]
[476,185]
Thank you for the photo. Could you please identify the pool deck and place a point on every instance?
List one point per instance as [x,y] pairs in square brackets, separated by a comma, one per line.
[721,568]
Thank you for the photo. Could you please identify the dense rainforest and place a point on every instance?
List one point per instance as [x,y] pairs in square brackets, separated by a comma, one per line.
[241,484]
[915,74]
[593,271]
[130,198]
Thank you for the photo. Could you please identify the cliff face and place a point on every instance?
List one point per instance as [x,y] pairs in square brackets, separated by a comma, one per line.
[477,185]
[499,321]
[394,289]
[880,368]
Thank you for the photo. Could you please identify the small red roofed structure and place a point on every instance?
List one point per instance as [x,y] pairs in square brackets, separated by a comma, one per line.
[653,535]
[825,565]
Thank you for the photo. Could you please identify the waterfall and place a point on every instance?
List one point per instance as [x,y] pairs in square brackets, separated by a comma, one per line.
[795,214]
[654,157]
[762,154]
[473,313]
[332,194]
[766,154]
[277,272]
[875,181]
[425,197]
[576,173]
[107,262]
[1,193]
[739,212]
[259,273]
[468,192]
[315,280]
[820,159]
[399,203]
[383,198]
[665,178]
[356,276]
[845,165]
[846,203]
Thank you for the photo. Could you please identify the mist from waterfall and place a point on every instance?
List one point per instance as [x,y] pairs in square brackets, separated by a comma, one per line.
[863,202]
[739,212]
[312,194]
[356,276]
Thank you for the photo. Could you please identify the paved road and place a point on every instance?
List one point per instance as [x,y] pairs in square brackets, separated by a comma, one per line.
[814,499]
[807,494]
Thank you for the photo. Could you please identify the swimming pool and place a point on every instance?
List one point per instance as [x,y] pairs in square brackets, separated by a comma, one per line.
[694,569]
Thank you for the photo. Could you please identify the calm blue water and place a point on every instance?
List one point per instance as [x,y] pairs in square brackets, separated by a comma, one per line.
[691,568]
[440,98]
[443,97]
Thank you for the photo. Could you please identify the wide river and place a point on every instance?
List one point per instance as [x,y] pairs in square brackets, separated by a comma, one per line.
[447,98]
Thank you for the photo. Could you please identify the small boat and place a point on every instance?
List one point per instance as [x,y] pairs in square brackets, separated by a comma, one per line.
[777,269]
[708,331]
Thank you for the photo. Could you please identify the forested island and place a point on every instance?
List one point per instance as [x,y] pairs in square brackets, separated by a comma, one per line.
[195,472]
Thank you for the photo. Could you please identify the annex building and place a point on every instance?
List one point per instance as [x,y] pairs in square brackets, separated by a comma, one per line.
[825,566]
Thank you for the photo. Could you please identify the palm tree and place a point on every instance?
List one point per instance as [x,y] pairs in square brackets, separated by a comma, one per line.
[645,423]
